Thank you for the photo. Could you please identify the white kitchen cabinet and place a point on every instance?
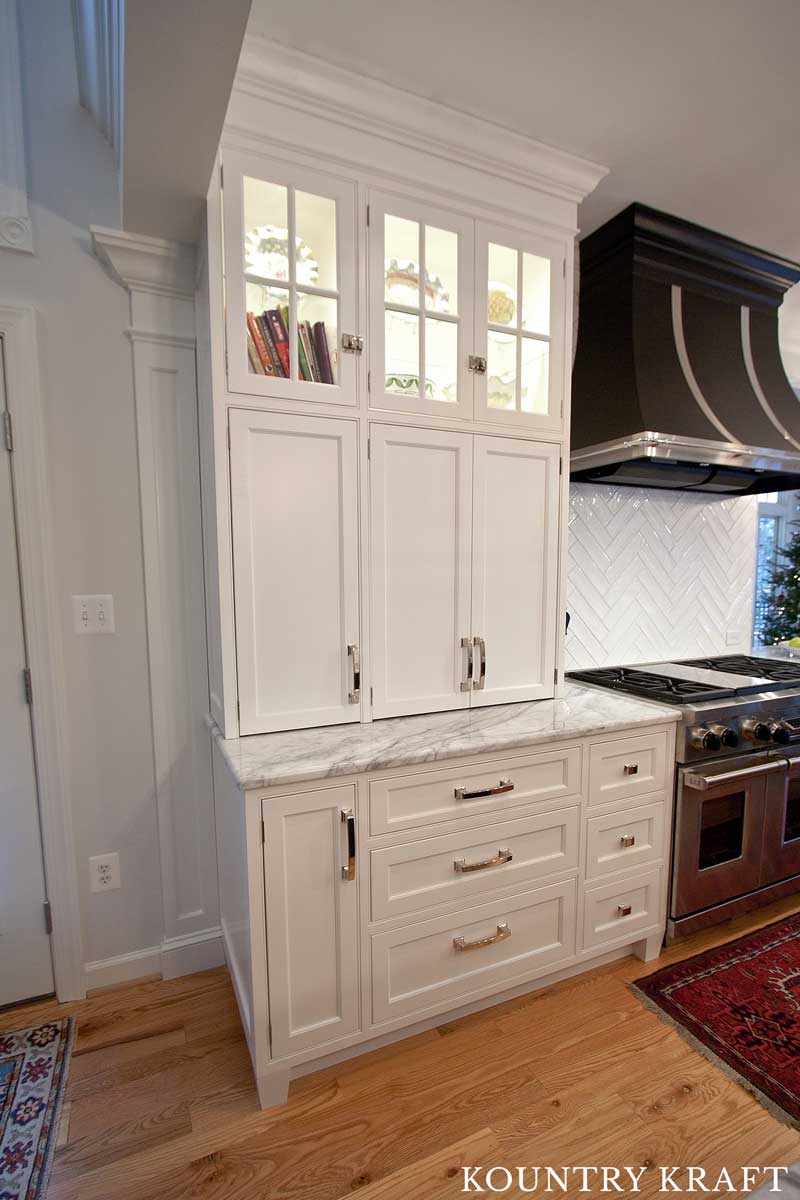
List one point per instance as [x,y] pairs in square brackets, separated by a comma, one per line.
[312,928]
[464,541]
[514,569]
[294,509]
[421,545]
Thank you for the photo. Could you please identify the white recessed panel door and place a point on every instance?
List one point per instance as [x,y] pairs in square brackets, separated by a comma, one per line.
[25,966]
[421,518]
[294,501]
[514,567]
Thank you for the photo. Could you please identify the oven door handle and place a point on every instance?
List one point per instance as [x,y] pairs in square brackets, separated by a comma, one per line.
[701,783]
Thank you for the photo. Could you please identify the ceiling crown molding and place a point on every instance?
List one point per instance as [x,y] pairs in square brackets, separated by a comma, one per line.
[298,80]
[99,31]
[16,231]
[146,264]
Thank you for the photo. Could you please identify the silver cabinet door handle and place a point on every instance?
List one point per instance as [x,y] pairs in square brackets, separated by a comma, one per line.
[349,819]
[354,696]
[464,793]
[462,867]
[623,910]
[630,769]
[466,682]
[480,682]
[503,932]
[627,839]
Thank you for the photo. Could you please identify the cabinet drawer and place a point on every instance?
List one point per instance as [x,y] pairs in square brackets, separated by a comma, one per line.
[627,839]
[420,967]
[631,766]
[605,918]
[440,870]
[437,796]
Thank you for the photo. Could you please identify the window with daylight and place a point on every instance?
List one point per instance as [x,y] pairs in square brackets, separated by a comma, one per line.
[778,517]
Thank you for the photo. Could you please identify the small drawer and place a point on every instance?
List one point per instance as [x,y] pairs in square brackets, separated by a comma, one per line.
[631,766]
[437,796]
[440,962]
[462,866]
[631,838]
[615,911]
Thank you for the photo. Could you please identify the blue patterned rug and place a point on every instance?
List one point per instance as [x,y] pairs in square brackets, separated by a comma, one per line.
[33,1072]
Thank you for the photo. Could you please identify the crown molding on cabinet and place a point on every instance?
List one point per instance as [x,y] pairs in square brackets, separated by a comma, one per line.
[16,230]
[301,81]
[146,264]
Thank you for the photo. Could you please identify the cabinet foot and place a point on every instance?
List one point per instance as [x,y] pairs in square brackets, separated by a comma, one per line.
[273,1087]
[650,947]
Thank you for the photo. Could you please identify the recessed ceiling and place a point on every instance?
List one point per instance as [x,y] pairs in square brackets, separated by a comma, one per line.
[694,105]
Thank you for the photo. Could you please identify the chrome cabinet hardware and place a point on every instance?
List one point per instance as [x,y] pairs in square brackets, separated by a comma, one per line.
[701,783]
[352,343]
[623,910]
[349,819]
[354,696]
[464,793]
[627,839]
[466,682]
[630,769]
[481,647]
[462,867]
[503,932]
[477,364]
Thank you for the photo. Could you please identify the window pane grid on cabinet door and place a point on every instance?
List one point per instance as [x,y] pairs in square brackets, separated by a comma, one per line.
[420,268]
[293,231]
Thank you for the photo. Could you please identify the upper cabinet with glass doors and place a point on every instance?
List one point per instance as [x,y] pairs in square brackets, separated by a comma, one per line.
[290,280]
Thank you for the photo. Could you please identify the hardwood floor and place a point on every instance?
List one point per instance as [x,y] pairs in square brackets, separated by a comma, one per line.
[162,1101]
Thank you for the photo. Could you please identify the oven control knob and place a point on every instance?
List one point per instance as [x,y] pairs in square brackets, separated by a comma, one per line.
[755,730]
[728,737]
[702,738]
[780,734]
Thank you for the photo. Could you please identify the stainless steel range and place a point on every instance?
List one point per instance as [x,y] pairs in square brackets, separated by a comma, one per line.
[736,835]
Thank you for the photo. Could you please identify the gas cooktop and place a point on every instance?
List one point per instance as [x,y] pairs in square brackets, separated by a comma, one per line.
[696,680]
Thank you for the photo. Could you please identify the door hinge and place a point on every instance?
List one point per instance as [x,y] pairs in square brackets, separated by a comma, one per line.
[561,466]
[263,835]
[370,695]
[27,683]
[48,917]
[221,174]
[369,381]
[477,364]
[368,214]
[555,675]
[369,448]
[7,431]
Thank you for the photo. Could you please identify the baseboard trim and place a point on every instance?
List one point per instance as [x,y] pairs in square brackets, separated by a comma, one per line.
[174,957]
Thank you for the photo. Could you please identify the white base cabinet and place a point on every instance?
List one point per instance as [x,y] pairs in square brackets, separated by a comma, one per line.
[382,903]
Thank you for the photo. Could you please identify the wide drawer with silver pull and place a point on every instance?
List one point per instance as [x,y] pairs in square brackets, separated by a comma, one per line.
[630,766]
[438,963]
[435,797]
[619,840]
[461,867]
[618,909]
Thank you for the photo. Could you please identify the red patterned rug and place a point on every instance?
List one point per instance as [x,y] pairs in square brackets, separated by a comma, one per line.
[739,1004]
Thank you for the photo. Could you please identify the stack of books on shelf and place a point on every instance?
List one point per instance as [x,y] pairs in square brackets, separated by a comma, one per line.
[268,346]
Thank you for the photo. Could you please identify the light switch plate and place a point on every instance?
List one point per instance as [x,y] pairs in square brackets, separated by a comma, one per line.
[93,614]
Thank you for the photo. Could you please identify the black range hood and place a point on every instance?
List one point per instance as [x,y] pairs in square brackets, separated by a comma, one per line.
[678,380]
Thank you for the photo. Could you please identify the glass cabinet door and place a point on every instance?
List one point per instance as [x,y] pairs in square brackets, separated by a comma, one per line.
[290,280]
[421,316]
[520,318]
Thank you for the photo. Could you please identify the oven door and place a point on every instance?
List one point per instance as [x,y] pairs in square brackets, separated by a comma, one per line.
[719,831]
[782,825]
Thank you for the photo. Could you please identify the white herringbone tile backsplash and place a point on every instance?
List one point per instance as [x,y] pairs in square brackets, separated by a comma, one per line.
[658,575]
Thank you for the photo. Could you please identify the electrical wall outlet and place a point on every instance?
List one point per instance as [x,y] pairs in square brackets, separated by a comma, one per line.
[93,614]
[733,637]
[104,872]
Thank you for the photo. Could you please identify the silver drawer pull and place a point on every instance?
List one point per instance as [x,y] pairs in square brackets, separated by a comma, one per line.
[627,839]
[623,910]
[354,696]
[630,769]
[349,819]
[466,683]
[503,932]
[480,683]
[464,793]
[462,867]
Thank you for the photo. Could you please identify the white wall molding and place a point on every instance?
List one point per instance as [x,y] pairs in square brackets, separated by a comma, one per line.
[159,277]
[42,625]
[16,230]
[99,30]
[294,79]
[173,958]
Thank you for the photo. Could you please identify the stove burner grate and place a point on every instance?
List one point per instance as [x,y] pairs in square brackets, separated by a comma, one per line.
[776,670]
[664,688]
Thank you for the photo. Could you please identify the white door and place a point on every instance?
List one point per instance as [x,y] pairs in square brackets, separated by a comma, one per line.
[294,506]
[514,569]
[421,526]
[421,263]
[312,918]
[26,969]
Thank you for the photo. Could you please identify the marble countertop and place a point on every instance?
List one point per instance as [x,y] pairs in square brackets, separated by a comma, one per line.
[270,759]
